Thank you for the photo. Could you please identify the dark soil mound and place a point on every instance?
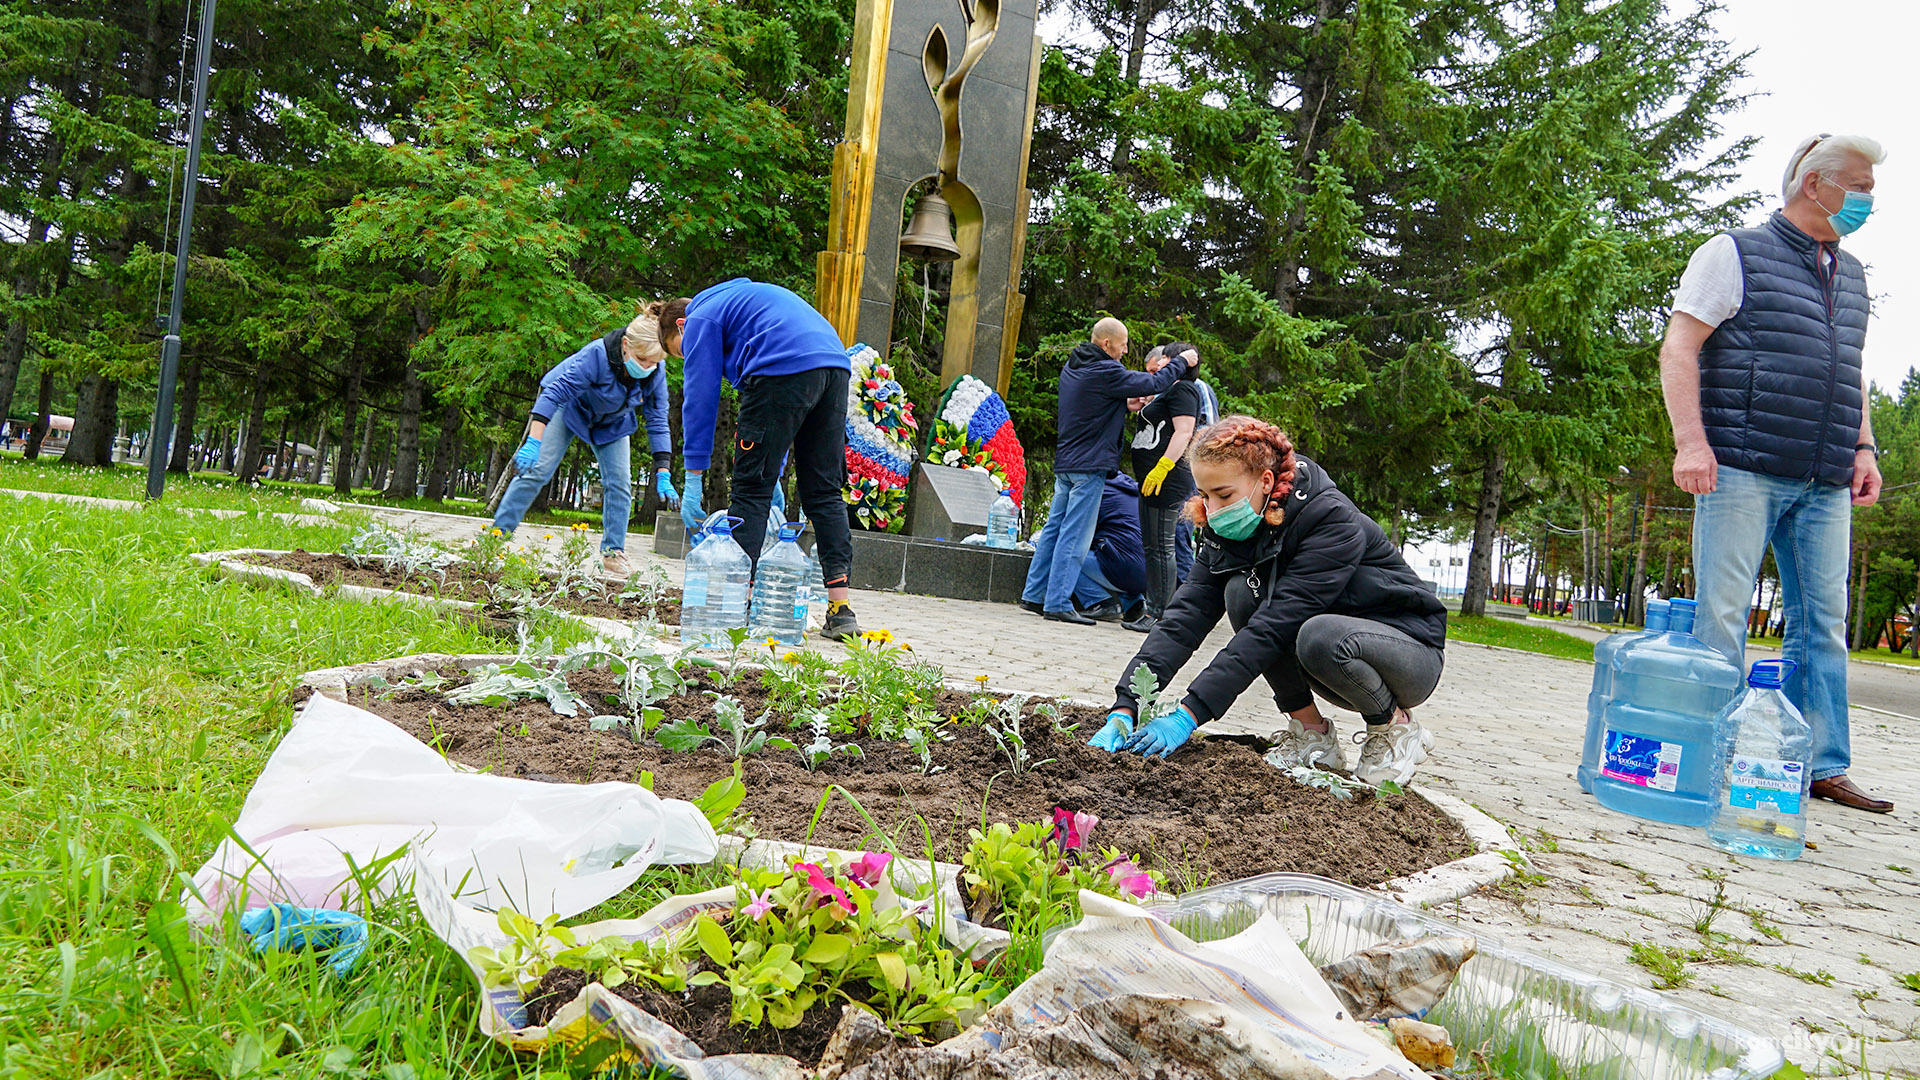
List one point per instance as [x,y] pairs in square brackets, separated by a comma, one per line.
[1213,812]
[460,583]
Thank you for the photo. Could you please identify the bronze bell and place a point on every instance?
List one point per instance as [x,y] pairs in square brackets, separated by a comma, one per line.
[929,235]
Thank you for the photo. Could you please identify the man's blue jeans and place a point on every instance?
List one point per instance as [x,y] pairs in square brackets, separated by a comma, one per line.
[1809,527]
[1064,540]
[616,484]
[1094,587]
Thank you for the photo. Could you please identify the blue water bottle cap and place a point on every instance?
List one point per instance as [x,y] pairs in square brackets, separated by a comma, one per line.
[725,526]
[1008,492]
[1770,674]
[791,530]
[1659,616]
[1680,615]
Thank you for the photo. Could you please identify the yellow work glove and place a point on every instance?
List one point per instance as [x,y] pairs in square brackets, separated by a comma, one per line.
[1158,476]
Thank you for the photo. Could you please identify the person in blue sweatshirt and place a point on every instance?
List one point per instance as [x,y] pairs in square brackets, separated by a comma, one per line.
[593,396]
[1094,389]
[791,370]
[1113,578]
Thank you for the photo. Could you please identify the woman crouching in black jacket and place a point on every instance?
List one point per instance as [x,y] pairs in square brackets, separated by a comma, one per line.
[1320,601]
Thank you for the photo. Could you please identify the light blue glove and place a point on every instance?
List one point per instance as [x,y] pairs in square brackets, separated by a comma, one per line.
[283,926]
[780,501]
[690,514]
[1165,735]
[528,454]
[663,483]
[1111,736]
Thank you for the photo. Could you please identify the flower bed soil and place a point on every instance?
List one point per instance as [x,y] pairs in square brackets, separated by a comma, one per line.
[1214,812]
[701,1013]
[461,583]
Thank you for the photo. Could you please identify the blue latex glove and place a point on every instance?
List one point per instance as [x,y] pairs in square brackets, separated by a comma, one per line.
[1111,736]
[1165,735]
[663,483]
[525,457]
[283,926]
[780,501]
[690,514]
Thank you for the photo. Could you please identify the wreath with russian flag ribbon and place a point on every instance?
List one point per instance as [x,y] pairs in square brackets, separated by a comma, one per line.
[975,431]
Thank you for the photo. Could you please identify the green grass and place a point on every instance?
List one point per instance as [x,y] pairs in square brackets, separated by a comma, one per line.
[219,491]
[1509,634]
[139,697]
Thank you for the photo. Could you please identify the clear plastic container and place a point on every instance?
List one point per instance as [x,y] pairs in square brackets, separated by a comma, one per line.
[1003,521]
[1657,757]
[1535,1017]
[779,608]
[714,590]
[1765,748]
[1606,654]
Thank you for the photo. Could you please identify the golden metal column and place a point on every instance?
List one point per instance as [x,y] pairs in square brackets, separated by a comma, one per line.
[840,268]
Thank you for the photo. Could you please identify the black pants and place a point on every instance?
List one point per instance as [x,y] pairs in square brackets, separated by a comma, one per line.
[1354,663]
[1159,527]
[805,412]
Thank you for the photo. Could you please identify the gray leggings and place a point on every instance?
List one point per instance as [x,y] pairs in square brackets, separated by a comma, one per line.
[1366,666]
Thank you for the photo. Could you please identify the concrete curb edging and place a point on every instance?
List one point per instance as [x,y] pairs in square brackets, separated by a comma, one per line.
[1495,855]
[227,564]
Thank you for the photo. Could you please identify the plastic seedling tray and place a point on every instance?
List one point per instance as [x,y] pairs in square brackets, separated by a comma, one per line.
[1533,1018]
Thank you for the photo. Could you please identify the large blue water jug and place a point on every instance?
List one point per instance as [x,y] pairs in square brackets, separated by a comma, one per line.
[1606,655]
[1657,752]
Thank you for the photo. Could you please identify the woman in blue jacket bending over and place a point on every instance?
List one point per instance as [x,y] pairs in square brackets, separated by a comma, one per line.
[593,396]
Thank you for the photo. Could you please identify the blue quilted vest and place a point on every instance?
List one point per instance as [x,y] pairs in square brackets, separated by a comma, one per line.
[1780,380]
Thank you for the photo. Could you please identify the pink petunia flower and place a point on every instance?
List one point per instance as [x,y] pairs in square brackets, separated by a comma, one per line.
[866,870]
[1132,880]
[761,904]
[823,886]
[1071,828]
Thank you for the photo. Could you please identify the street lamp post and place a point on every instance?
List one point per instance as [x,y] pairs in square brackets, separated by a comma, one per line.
[160,439]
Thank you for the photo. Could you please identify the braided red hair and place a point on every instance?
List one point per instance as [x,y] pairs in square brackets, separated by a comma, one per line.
[1254,446]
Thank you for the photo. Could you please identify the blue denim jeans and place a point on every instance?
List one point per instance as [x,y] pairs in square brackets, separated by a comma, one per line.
[616,484]
[1094,587]
[1809,527]
[1064,540]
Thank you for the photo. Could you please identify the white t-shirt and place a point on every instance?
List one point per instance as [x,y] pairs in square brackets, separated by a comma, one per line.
[1712,288]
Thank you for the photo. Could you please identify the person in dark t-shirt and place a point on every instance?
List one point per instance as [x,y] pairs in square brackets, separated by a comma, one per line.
[1167,425]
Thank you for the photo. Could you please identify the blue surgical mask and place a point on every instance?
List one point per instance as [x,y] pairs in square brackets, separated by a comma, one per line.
[1235,521]
[634,369]
[1852,213]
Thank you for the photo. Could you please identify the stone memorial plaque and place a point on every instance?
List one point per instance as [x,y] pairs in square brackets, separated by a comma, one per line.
[949,503]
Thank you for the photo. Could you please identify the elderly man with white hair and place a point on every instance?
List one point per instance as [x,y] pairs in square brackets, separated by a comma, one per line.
[1772,431]
[593,396]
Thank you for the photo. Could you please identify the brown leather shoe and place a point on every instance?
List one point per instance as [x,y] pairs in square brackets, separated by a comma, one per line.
[1841,790]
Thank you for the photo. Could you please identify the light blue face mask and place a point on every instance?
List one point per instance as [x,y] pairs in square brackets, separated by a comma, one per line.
[634,369]
[1853,210]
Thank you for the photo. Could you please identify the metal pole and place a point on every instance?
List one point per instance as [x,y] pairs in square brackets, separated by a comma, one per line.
[160,439]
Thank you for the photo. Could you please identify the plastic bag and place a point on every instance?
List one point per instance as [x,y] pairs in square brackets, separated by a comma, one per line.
[346,793]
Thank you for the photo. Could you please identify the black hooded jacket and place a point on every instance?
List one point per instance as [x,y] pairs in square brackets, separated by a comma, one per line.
[1094,389]
[1325,557]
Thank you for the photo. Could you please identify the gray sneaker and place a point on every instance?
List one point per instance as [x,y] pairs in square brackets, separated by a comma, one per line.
[1391,752]
[1296,745]
[841,625]
[615,564]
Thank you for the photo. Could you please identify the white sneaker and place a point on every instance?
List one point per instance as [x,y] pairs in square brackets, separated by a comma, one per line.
[1296,746]
[615,564]
[1391,751]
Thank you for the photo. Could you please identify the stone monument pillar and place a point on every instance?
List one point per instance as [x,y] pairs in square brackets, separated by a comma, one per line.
[941,91]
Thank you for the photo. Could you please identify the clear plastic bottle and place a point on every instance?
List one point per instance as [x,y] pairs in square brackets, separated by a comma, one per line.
[1764,749]
[1656,755]
[714,595]
[1003,521]
[815,582]
[1606,657]
[779,591]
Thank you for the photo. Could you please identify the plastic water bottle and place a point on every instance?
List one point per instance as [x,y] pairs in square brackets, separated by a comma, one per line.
[1606,655]
[1003,521]
[1656,754]
[714,593]
[780,593]
[1765,750]
[815,582]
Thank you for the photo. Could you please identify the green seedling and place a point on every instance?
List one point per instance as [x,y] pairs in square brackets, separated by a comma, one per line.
[821,749]
[738,736]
